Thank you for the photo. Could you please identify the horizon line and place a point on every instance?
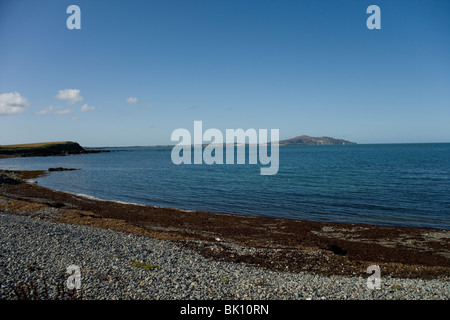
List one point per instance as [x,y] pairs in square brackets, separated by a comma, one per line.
[247,144]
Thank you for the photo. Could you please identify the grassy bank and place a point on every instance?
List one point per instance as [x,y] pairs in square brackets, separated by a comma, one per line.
[42,149]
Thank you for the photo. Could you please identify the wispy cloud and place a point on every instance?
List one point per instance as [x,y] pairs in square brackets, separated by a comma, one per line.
[85,108]
[70,95]
[65,111]
[44,111]
[132,100]
[12,103]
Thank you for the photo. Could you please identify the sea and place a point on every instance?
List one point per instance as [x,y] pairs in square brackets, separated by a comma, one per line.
[382,184]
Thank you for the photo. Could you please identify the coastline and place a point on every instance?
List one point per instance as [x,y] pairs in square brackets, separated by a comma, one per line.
[322,248]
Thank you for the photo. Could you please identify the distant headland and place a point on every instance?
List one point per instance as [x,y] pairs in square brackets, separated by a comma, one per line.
[307,140]
[299,140]
[44,149]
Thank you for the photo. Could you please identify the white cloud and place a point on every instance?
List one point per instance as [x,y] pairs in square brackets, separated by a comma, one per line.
[75,118]
[70,95]
[65,111]
[12,103]
[44,111]
[85,108]
[132,100]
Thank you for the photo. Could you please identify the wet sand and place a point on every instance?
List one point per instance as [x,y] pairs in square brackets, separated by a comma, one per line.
[324,248]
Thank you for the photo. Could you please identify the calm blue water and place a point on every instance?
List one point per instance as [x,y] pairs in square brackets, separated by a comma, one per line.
[396,184]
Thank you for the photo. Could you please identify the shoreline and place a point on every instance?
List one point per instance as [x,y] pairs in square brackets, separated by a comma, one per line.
[93,198]
[29,176]
[367,224]
[323,248]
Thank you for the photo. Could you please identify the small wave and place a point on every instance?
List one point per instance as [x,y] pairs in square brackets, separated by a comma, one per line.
[82,195]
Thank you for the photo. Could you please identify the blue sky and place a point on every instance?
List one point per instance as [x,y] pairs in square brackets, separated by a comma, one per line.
[304,67]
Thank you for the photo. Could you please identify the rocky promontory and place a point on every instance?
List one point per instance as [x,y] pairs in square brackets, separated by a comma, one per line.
[43,149]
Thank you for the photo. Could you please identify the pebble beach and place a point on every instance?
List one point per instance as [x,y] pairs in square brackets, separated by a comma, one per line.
[116,265]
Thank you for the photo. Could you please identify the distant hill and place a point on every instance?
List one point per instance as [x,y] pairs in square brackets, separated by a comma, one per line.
[42,149]
[299,140]
[307,140]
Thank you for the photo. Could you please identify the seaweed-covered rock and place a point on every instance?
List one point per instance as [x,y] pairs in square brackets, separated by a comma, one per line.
[7,177]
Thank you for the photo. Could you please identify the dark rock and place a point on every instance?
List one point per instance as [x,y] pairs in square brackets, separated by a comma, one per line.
[337,250]
[9,178]
[61,169]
